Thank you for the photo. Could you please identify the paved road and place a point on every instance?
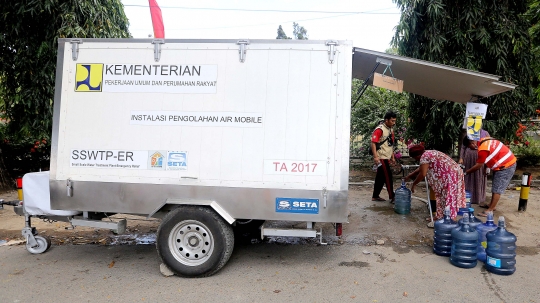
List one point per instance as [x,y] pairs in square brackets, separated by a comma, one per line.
[261,272]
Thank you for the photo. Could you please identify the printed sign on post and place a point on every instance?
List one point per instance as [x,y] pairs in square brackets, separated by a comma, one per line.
[474,114]
[474,125]
[476,109]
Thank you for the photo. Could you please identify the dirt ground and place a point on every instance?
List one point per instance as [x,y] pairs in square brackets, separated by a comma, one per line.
[368,222]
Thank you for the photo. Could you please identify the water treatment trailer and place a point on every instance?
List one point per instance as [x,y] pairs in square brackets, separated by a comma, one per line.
[208,134]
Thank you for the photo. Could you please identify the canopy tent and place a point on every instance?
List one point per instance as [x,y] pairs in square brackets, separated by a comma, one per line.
[432,80]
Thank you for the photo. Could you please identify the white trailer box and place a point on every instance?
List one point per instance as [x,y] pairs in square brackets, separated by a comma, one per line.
[262,133]
[212,133]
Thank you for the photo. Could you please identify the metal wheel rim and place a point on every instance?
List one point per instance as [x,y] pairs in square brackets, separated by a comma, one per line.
[40,248]
[191,242]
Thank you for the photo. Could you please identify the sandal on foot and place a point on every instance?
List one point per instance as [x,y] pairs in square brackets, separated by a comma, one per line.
[482,214]
[379,199]
[486,206]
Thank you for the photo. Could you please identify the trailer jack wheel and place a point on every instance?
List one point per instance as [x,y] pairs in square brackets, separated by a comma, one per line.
[42,244]
[194,241]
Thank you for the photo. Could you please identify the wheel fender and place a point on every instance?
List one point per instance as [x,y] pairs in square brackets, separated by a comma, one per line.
[213,204]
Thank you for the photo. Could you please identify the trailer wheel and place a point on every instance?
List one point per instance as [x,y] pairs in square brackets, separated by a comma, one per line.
[42,245]
[194,241]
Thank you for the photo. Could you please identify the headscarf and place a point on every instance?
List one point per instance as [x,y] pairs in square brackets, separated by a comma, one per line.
[416,150]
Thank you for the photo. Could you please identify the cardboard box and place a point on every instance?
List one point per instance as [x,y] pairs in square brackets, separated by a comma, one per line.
[387,82]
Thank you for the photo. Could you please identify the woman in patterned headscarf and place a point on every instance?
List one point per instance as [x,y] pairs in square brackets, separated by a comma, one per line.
[444,176]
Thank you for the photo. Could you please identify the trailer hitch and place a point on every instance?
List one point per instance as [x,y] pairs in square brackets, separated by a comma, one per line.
[12,203]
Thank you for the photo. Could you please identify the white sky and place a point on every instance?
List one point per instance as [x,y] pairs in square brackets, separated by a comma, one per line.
[373,30]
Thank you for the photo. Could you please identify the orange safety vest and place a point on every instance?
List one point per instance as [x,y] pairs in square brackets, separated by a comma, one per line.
[499,155]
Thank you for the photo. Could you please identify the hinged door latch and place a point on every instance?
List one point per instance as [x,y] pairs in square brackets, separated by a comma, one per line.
[331,50]
[242,49]
[325,197]
[157,48]
[69,187]
[75,48]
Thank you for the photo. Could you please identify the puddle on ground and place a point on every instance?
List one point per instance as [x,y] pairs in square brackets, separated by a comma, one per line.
[133,239]
[358,264]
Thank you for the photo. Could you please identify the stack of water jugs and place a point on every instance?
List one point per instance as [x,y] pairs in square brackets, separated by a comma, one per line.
[469,240]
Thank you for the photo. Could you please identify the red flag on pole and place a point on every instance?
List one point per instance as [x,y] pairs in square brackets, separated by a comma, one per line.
[157,19]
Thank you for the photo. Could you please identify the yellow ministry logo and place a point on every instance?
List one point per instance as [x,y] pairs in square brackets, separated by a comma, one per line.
[89,77]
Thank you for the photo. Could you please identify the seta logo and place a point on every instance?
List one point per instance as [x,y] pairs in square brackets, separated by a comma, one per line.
[284,205]
[297,205]
[176,160]
[88,77]
[156,160]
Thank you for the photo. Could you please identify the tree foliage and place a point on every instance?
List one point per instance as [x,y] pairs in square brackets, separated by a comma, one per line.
[29,31]
[28,43]
[299,32]
[534,19]
[483,35]
[370,110]
[281,34]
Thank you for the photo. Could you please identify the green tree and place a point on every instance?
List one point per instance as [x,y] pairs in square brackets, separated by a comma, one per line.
[29,31]
[281,33]
[299,32]
[534,18]
[28,44]
[484,35]
[370,110]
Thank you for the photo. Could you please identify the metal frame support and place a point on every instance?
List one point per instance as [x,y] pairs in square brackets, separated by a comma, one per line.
[331,50]
[75,48]
[319,233]
[29,232]
[363,88]
[242,49]
[157,48]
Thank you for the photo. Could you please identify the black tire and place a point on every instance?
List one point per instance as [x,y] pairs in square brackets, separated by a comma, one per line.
[194,241]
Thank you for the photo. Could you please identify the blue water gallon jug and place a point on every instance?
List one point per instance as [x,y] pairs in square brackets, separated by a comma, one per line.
[402,202]
[473,221]
[501,250]
[464,243]
[464,213]
[482,230]
[468,197]
[442,235]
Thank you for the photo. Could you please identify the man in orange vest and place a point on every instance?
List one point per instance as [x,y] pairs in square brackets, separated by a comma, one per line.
[497,157]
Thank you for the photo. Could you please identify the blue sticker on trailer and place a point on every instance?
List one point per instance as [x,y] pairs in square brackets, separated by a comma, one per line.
[297,206]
